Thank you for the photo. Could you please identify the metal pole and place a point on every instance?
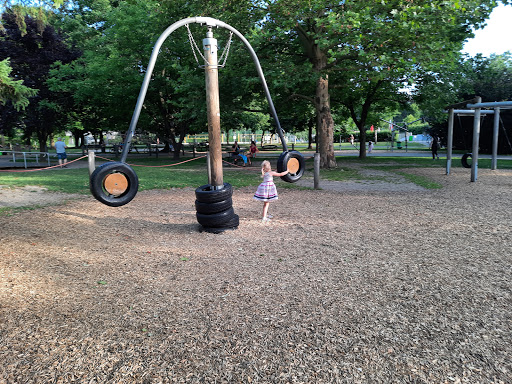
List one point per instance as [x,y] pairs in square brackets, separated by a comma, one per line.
[316,179]
[450,141]
[91,160]
[476,140]
[213,109]
[494,161]
[208,168]
[149,70]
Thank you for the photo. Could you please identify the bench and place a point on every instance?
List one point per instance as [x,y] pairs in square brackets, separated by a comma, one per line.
[269,147]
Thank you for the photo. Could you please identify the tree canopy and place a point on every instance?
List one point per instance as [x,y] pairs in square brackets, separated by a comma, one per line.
[324,60]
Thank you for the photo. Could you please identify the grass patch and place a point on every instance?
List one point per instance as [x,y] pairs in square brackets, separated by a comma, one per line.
[341,174]
[422,181]
[194,173]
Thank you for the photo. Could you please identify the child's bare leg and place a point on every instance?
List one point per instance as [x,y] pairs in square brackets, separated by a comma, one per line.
[265,209]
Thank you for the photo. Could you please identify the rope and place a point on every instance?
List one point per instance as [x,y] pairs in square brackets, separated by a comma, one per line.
[155,166]
[233,164]
[41,169]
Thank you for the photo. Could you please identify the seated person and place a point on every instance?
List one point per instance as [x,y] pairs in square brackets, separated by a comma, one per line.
[236,147]
[253,149]
[240,156]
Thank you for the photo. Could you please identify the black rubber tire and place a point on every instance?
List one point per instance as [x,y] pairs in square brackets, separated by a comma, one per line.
[283,161]
[209,208]
[216,220]
[232,224]
[464,160]
[99,176]
[205,193]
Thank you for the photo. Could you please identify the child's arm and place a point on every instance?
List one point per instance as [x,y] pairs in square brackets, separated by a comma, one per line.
[279,173]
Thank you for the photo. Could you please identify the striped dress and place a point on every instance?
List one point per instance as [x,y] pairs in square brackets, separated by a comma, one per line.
[267,189]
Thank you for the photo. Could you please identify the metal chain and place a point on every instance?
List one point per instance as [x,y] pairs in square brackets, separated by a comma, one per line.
[193,45]
[225,52]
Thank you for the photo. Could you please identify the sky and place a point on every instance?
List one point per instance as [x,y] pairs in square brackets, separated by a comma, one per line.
[495,37]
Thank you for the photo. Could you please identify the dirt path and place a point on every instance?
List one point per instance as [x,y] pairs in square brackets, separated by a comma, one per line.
[350,286]
[31,195]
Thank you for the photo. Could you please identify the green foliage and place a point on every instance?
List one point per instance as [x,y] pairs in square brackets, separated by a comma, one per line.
[370,49]
[13,90]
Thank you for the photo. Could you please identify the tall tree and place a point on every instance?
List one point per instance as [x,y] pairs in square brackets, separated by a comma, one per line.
[118,38]
[32,52]
[367,49]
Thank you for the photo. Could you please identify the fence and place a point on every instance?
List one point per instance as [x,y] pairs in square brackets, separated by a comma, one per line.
[26,156]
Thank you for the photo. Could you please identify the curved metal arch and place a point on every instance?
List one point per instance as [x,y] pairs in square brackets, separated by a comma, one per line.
[147,77]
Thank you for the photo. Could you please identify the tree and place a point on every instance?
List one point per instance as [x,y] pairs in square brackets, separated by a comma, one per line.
[366,50]
[32,52]
[115,60]
[13,90]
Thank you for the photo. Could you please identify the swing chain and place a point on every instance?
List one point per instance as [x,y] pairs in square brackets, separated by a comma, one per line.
[225,51]
[223,56]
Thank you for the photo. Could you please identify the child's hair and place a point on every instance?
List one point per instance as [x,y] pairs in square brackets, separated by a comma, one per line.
[266,165]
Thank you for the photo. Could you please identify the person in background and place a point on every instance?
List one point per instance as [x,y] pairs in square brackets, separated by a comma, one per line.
[236,147]
[434,146]
[370,147]
[60,147]
[253,149]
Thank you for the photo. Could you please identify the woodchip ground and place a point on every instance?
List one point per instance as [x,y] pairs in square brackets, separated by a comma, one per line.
[357,283]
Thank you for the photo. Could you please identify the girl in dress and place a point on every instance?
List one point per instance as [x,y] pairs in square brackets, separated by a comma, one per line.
[267,191]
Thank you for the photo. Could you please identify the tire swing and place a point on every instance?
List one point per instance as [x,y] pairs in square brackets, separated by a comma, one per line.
[294,162]
[464,160]
[114,184]
[214,208]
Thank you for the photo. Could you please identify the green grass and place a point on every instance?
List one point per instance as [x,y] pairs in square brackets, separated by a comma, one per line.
[194,173]
[422,181]
[58,180]
[190,174]
[342,173]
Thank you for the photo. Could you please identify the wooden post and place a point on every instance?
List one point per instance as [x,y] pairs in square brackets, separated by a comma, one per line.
[92,163]
[213,109]
[209,167]
[316,171]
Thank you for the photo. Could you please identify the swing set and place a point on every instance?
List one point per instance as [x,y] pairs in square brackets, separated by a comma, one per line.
[476,109]
[116,183]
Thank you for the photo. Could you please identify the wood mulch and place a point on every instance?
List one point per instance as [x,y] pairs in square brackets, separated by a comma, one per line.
[343,286]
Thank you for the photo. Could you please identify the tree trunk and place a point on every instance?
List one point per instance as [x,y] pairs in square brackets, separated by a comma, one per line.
[325,124]
[362,142]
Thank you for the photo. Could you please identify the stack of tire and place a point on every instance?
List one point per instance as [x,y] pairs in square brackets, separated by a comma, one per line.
[214,208]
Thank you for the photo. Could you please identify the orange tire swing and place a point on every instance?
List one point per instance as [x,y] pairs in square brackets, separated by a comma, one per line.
[294,162]
[114,184]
